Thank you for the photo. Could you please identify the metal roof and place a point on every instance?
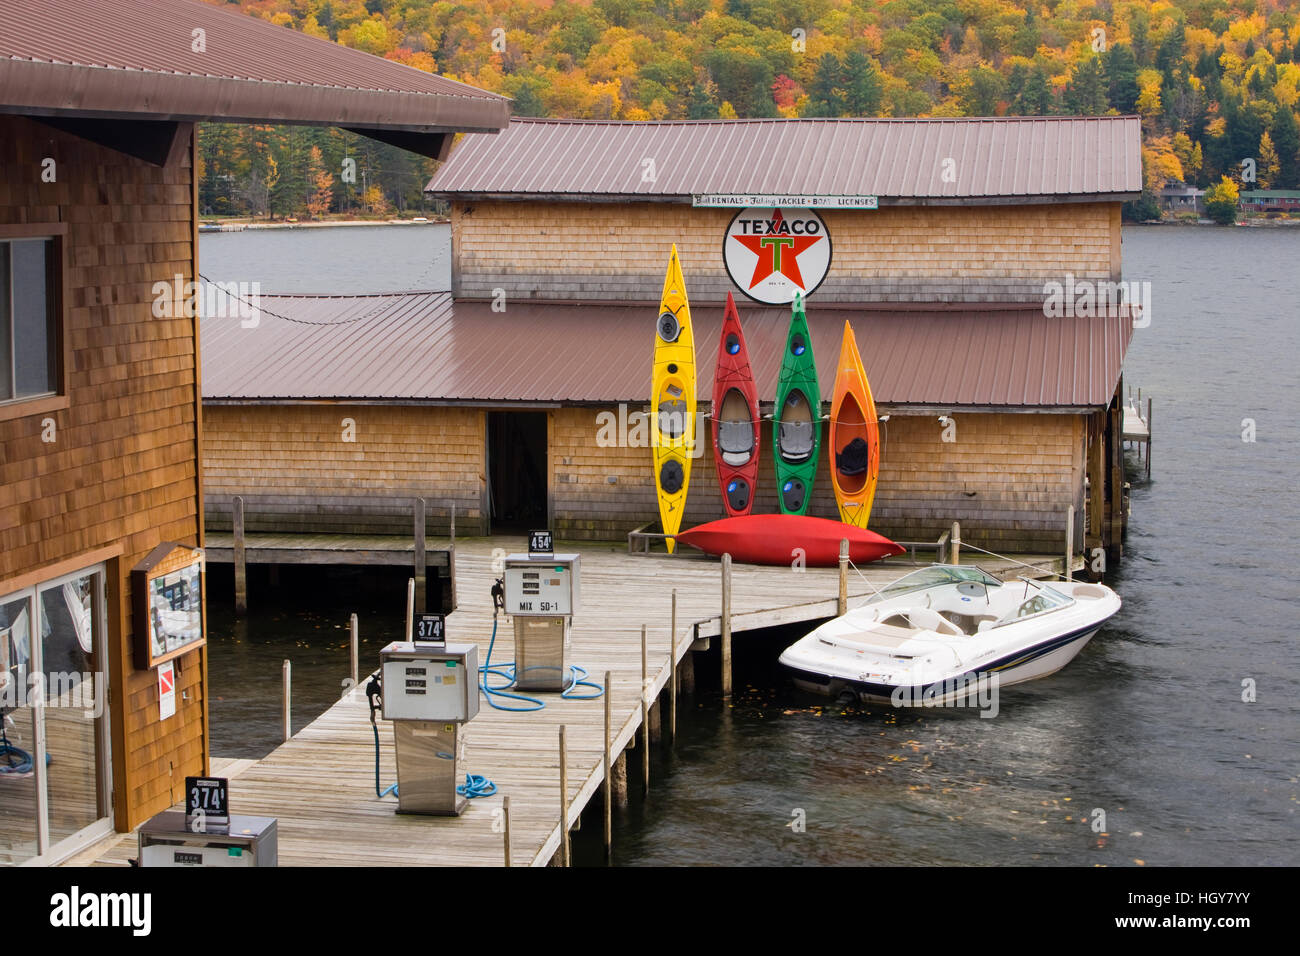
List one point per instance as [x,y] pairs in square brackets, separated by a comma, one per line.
[109,58]
[901,160]
[423,346]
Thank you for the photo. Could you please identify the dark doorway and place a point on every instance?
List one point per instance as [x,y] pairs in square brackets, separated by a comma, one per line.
[516,447]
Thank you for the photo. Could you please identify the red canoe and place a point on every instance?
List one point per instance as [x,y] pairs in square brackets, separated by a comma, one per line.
[774,539]
[735,417]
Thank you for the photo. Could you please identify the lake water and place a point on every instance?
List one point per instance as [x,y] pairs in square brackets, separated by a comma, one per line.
[1147,725]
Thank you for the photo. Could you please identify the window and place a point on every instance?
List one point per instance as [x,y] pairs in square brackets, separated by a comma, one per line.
[55,786]
[32,362]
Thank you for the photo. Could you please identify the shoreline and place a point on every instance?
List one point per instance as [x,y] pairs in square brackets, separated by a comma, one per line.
[209,227]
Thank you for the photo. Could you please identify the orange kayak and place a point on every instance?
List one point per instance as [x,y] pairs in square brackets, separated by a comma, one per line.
[854,437]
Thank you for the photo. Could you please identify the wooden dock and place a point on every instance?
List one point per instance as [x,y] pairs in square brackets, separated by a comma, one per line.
[321,784]
[1137,429]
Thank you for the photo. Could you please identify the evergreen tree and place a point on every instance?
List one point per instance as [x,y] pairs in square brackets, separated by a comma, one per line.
[700,104]
[1172,47]
[1085,94]
[824,98]
[1286,140]
[862,87]
[1140,33]
[744,80]
[1121,78]
[1036,100]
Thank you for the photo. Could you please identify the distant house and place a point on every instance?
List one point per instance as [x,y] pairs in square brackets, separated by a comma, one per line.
[1179,197]
[1270,200]
[100,417]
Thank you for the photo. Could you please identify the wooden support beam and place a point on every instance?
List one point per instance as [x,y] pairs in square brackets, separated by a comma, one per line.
[672,668]
[645,718]
[1150,436]
[286,688]
[354,641]
[420,559]
[609,776]
[410,610]
[842,607]
[1069,544]
[564,799]
[505,819]
[241,565]
[726,625]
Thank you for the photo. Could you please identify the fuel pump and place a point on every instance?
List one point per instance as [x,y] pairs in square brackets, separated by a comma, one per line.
[428,692]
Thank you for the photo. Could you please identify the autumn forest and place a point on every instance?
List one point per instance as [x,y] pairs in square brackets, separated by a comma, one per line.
[1215,82]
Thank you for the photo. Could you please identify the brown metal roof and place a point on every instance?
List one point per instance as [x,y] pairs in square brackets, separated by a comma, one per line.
[107,58]
[424,347]
[901,160]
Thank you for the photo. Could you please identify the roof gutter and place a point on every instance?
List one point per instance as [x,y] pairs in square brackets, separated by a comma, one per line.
[102,93]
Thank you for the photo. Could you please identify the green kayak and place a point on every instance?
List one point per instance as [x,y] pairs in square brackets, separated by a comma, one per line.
[797,424]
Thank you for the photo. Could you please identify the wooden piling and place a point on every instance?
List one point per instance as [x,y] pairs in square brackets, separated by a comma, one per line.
[672,667]
[1069,543]
[609,777]
[451,557]
[618,773]
[564,799]
[286,683]
[656,721]
[420,559]
[241,567]
[645,720]
[1150,435]
[954,543]
[688,672]
[843,603]
[410,609]
[355,642]
[726,625]
[505,819]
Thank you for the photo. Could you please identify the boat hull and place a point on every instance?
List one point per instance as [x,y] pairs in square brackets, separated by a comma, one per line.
[785,539]
[796,418]
[735,410]
[1036,663]
[672,391]
[854,437]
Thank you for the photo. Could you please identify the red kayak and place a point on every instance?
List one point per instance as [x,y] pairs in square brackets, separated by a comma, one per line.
[735,417]
[774,539]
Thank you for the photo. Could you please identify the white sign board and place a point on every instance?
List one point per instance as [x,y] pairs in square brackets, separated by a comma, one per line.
[166,690]
[713,200]
[773,253]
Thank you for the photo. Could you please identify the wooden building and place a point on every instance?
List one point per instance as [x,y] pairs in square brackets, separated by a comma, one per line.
[100,413]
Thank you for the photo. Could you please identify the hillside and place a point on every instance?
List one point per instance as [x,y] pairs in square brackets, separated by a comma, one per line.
[1216,83]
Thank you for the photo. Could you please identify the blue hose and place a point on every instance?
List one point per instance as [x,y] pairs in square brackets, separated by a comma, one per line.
[506,672]
[475,785]
[8,752]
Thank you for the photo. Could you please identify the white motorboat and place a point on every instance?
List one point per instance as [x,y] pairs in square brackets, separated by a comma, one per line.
[927,637]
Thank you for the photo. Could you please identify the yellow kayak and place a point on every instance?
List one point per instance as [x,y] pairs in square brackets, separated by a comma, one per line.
[672,393]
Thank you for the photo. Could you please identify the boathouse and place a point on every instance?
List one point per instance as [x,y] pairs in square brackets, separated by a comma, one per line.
[960,249]
[103,692]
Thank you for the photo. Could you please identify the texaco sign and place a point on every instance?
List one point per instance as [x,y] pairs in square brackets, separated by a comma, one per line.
[773,253]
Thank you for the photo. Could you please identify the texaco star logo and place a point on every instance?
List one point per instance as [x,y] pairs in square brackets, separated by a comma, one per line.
[773,253]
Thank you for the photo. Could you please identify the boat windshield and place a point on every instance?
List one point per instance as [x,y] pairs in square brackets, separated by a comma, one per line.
[933,577]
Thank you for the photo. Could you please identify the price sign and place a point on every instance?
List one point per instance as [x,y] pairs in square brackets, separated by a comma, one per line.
[207,804]
[431,627]
[539,542]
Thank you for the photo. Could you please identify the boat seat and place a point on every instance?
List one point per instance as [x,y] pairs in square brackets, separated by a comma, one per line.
[672,417]
[855,459]
[796,441]
[736,441]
